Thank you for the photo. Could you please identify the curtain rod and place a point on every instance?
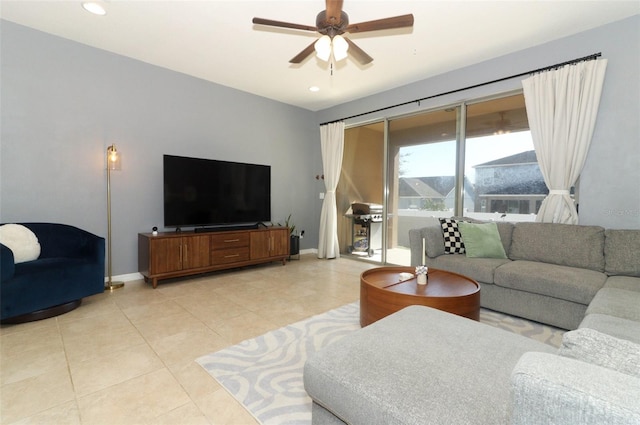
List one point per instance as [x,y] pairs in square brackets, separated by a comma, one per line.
[535,71]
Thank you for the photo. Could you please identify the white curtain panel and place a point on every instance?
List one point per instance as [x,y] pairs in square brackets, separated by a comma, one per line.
[332,145]
[562,106]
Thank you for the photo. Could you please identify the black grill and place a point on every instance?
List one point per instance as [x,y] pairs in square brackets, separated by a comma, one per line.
[363,215]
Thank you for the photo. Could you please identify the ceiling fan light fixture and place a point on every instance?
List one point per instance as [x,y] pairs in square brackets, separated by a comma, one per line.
[323,48]
[502,126]
[95,7]
[340,47]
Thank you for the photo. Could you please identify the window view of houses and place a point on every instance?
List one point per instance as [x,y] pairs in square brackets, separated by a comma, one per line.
[502,179]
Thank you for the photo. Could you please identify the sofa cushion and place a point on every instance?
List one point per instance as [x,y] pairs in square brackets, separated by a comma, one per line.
[53,266]
[616,302]
[551,389]
[479,269]
[505,229]
[453,243]
[591,346]
[623,282]
[611,325]
[434,241]
[481,240]
[562,244]
[622,252]
[566,283]
[21,240]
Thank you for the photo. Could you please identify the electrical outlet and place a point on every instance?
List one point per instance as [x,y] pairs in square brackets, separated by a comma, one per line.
[301,234]
[321,195]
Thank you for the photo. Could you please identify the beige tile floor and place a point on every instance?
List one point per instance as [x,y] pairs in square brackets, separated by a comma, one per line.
[127,356]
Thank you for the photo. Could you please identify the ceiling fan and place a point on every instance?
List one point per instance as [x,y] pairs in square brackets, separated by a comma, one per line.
[332,23]
[502,125]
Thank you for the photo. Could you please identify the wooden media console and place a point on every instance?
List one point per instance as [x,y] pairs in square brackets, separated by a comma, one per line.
[175,254]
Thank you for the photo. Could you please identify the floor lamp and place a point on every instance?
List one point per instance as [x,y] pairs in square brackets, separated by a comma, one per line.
[113,164]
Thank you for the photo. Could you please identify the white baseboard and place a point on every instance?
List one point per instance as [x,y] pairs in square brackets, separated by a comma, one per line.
[125,277]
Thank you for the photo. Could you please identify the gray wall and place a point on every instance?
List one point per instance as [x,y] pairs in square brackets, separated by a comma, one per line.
[609,191]
[63,103]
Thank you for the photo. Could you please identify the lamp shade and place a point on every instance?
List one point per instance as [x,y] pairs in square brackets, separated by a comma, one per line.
[113,158]
[323,48]
[340,47]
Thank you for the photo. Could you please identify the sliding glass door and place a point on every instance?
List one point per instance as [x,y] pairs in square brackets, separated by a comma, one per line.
[362,184]
[473,159]
[421,175]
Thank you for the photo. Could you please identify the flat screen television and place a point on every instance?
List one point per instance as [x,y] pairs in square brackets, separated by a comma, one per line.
[206,192]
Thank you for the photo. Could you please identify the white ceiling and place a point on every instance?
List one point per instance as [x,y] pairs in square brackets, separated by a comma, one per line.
[216,41]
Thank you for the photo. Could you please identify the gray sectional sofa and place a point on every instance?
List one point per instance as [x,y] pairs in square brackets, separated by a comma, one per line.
[552,271]
[425,366]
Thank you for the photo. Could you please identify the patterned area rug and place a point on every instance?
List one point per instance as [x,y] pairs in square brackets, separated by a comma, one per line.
[265,373]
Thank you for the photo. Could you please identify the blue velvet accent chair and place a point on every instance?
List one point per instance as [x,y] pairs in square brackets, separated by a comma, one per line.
[69,268]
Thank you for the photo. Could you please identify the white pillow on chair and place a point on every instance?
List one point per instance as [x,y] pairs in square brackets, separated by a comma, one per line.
[21,240]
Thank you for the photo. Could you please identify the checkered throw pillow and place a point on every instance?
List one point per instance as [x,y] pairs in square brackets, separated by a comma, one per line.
[452,238]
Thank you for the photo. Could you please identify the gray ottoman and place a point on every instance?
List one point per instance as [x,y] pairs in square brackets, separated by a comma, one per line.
[417,366]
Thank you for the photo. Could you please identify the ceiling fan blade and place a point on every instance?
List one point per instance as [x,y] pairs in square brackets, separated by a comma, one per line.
[381,24]
[281,24]
[304,54]
[334,11]
[358,54]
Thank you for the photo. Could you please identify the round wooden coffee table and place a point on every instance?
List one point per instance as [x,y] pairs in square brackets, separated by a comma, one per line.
[385,290]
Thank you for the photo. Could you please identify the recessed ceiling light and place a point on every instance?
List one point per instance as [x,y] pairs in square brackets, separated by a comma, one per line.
[94,7]
[314,88]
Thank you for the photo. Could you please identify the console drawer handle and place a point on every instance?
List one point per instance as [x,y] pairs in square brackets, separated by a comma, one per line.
[231,256]
[231,240]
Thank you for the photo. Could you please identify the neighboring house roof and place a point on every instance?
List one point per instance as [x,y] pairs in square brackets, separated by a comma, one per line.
[469,189]
[431,187]
[417,187]
[442,184]
[527,157]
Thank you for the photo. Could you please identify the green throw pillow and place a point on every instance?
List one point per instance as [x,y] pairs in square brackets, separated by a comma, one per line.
[481,240]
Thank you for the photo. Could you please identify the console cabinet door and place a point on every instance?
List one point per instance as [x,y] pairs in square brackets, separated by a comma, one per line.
[195,251]
[259,246]
[279,242]
[174,254]
[165,255]
[271,243]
